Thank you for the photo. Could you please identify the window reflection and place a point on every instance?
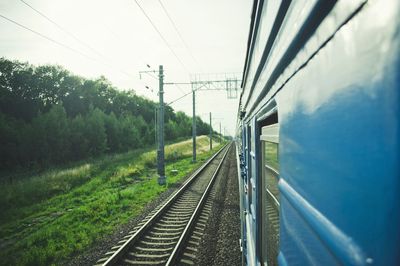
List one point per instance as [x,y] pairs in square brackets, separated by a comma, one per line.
[270,178]
[271,155]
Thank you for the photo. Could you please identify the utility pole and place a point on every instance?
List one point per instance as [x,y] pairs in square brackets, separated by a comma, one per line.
[155,127]
[210,133]
[220,132]
[231,85]
[160,151]
[194,124]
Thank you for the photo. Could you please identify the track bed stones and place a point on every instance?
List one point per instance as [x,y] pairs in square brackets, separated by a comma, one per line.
[221,232]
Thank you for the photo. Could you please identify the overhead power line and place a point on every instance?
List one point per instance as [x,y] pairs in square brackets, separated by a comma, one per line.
[179,34]
[55,41]
[47,38]
[161,36]
[63,29]
[71,35]
[183,96]
[121,41]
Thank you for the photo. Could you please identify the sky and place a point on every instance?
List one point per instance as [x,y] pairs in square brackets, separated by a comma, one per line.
[192,39]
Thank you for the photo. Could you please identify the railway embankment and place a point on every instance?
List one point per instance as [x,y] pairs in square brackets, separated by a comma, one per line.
[70,215]
[199,226]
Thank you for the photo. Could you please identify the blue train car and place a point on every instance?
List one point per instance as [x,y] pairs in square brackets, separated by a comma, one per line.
[318,134]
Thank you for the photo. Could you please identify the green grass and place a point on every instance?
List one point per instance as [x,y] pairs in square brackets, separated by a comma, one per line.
[271,155]
[48,218]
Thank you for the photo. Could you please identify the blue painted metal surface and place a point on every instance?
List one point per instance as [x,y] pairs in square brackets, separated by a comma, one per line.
[339,144]
[339,151]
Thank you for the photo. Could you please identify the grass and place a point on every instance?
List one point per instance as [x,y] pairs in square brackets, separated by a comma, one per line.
[271,155]
[50,217]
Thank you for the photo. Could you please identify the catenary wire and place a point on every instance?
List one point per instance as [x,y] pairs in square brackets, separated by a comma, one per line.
[178,32]
[179,98]
[62,28]
[57,42]
[71,34]
[47,38]
[161,36]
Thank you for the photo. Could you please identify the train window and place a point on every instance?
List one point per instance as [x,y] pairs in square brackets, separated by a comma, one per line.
[249,172]
[270,193]
[271,152]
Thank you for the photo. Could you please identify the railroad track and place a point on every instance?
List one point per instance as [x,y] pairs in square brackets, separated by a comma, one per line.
[272,215]
[171,233]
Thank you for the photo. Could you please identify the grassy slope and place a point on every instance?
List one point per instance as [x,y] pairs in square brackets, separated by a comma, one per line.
[50,217]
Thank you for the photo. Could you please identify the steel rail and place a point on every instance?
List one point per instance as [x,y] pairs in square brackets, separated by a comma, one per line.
[186,232]
[139,233]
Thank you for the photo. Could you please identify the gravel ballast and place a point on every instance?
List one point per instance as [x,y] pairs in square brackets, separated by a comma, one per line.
[220,242]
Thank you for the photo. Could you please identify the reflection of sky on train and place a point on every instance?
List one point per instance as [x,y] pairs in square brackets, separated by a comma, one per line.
[115,39]
[339,130]
[348,64]
[313,94]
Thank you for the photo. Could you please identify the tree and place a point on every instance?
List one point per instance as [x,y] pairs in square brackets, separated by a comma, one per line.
[171,130]
[50,116]
[113,132]
[57,133]
[95,132]
[79,144]
[128,134]
[8,142]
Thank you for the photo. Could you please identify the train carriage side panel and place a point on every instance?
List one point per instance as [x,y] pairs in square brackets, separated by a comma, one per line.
[338,106]
[339,148]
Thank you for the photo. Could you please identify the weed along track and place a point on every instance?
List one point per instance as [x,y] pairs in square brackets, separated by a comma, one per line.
[163,237]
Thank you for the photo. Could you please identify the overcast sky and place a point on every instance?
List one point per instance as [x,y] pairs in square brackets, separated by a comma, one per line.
[115,39]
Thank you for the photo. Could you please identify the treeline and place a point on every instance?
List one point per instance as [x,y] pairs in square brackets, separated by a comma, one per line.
[50,116]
